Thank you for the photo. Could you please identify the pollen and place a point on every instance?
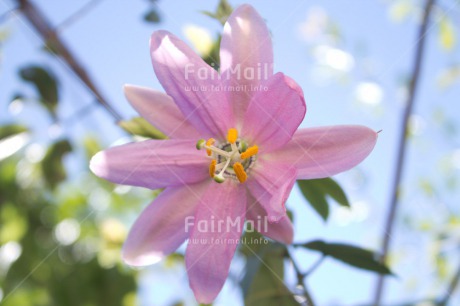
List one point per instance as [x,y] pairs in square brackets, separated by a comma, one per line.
[212,168]
[251,151]
[232,135]
[209,143]
[240,173]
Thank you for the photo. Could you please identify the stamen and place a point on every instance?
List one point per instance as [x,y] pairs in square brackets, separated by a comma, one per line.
[240,173]
[251,151]
[232,135]
[209,143]
[212,168]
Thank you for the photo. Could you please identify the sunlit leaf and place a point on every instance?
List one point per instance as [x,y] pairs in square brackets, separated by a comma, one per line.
[449,76]
[13,137]
[140,127]
[45,84]
[317,191]
[11,129]
[400,10]
[352,255]
[447,37]
[427,187]
[52,167]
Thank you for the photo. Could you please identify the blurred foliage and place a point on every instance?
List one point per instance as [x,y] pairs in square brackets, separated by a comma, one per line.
[213,57]
[46,85]
[52,167]
[449,77]
[222,12]
[152,15]
[56,248]
[318,191]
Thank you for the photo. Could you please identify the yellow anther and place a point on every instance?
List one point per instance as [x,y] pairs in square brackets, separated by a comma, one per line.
[251,151]
[212,168]
[232,135]
[209,143]
[240,173]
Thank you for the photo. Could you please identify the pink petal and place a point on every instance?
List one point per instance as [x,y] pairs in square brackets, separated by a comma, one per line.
[270,183]
[246,45]
[152,163]
[275,114]
[193,84]
[209,252]
[281,231]
[160,229]
[326,151]
[159,109]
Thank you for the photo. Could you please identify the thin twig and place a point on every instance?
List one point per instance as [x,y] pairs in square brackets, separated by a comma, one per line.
[315,266]
[4,16]
[80,13]
[82,112]
[300,279]
[417,66]
[57,46]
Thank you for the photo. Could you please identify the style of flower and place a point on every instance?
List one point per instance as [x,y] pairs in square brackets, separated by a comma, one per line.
[233,153]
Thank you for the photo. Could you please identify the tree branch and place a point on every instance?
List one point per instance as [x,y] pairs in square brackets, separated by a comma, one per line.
[301,279]
[413,85]
[57,46]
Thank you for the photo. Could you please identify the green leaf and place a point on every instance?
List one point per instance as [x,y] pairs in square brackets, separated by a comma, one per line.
[352,255]
[46,85]
[223,11]
[316,192]
[11,129]
[264,278]
[141,127]
[52,167]
[152,16]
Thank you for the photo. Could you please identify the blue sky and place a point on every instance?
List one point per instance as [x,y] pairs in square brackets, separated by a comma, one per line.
[112,42]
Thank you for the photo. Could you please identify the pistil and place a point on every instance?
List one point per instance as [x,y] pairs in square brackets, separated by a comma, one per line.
[231,159]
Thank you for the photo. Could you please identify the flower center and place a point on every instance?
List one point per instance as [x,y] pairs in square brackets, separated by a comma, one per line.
[231,159]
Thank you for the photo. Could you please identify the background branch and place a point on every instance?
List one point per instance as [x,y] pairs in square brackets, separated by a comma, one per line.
[413,85]
[57,46]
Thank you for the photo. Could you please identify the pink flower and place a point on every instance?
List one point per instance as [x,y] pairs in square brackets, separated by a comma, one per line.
[252,152]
